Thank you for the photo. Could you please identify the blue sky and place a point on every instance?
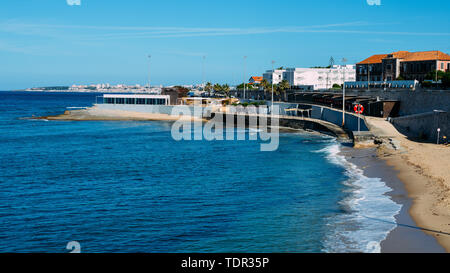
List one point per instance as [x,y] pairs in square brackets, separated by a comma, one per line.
[52,43]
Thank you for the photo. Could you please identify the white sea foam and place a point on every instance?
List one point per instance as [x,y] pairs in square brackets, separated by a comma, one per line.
[356,230]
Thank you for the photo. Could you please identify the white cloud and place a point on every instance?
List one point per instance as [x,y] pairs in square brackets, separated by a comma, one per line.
[74,2]
[374,2]
[90,33]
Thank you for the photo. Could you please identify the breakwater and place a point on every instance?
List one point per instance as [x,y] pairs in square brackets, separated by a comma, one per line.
[290,122]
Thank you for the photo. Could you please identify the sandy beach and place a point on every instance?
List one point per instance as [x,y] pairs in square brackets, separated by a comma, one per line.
[424,170]
[404,238]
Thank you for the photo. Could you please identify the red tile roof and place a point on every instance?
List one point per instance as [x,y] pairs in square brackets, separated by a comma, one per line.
[257,79]
[427,56]
[375,59]
[409,56]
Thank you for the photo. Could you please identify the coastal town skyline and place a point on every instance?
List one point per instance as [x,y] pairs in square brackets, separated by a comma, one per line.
[415,67]
[81,43]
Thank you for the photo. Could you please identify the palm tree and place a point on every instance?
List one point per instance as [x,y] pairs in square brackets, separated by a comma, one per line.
[208,88]
[283,86]
[226,90]
[217,88]
[265,85]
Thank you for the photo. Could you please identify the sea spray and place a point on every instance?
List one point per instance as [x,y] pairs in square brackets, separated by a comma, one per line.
[353,231]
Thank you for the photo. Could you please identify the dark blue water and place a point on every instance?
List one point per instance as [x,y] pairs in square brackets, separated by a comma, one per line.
[129,187]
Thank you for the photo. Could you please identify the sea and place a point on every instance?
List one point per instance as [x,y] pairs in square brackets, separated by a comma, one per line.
[129,187]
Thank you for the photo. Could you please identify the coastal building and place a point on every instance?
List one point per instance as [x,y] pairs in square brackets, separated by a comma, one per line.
[255,80]
[402,64]
[136,99]
[276,75]
[317,78]
[320,78]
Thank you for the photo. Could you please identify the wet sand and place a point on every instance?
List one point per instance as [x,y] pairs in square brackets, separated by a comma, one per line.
[424,170]
[405,238]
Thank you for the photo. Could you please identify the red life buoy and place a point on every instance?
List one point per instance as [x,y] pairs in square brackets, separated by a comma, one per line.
[359,109]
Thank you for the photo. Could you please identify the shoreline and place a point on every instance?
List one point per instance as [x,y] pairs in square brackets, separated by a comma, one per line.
[403,238]
[423,170]
[422,193]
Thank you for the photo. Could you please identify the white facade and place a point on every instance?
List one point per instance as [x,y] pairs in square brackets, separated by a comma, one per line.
[136,99]
[277,75]
[320,78]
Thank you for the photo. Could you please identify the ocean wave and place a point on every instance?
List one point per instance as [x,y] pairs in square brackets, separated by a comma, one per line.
[353,231]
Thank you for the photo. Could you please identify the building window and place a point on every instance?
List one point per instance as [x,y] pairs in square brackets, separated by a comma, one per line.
[389,67]
[442,66]
[109,100]
[130,101]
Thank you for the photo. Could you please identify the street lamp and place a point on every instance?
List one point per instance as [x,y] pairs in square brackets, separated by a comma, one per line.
[344,60]
[273,72]
[203,72]
[245,74]
[437,64]
[149,70]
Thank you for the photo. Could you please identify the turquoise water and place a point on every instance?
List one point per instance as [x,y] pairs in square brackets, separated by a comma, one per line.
[129,187]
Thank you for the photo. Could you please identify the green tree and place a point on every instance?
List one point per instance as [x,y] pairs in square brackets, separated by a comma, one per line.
[226,90]
[446,80]
[282,87]
[432,75]
[217,88]
[247,86]
[265,86]
[208,87]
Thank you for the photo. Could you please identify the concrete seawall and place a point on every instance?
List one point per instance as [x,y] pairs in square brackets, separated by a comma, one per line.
[330,115]
[291,122]
[412,102]
[418,118]
[424,126]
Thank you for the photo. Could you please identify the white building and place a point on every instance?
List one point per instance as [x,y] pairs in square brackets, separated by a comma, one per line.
[276,74]
[319,78]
